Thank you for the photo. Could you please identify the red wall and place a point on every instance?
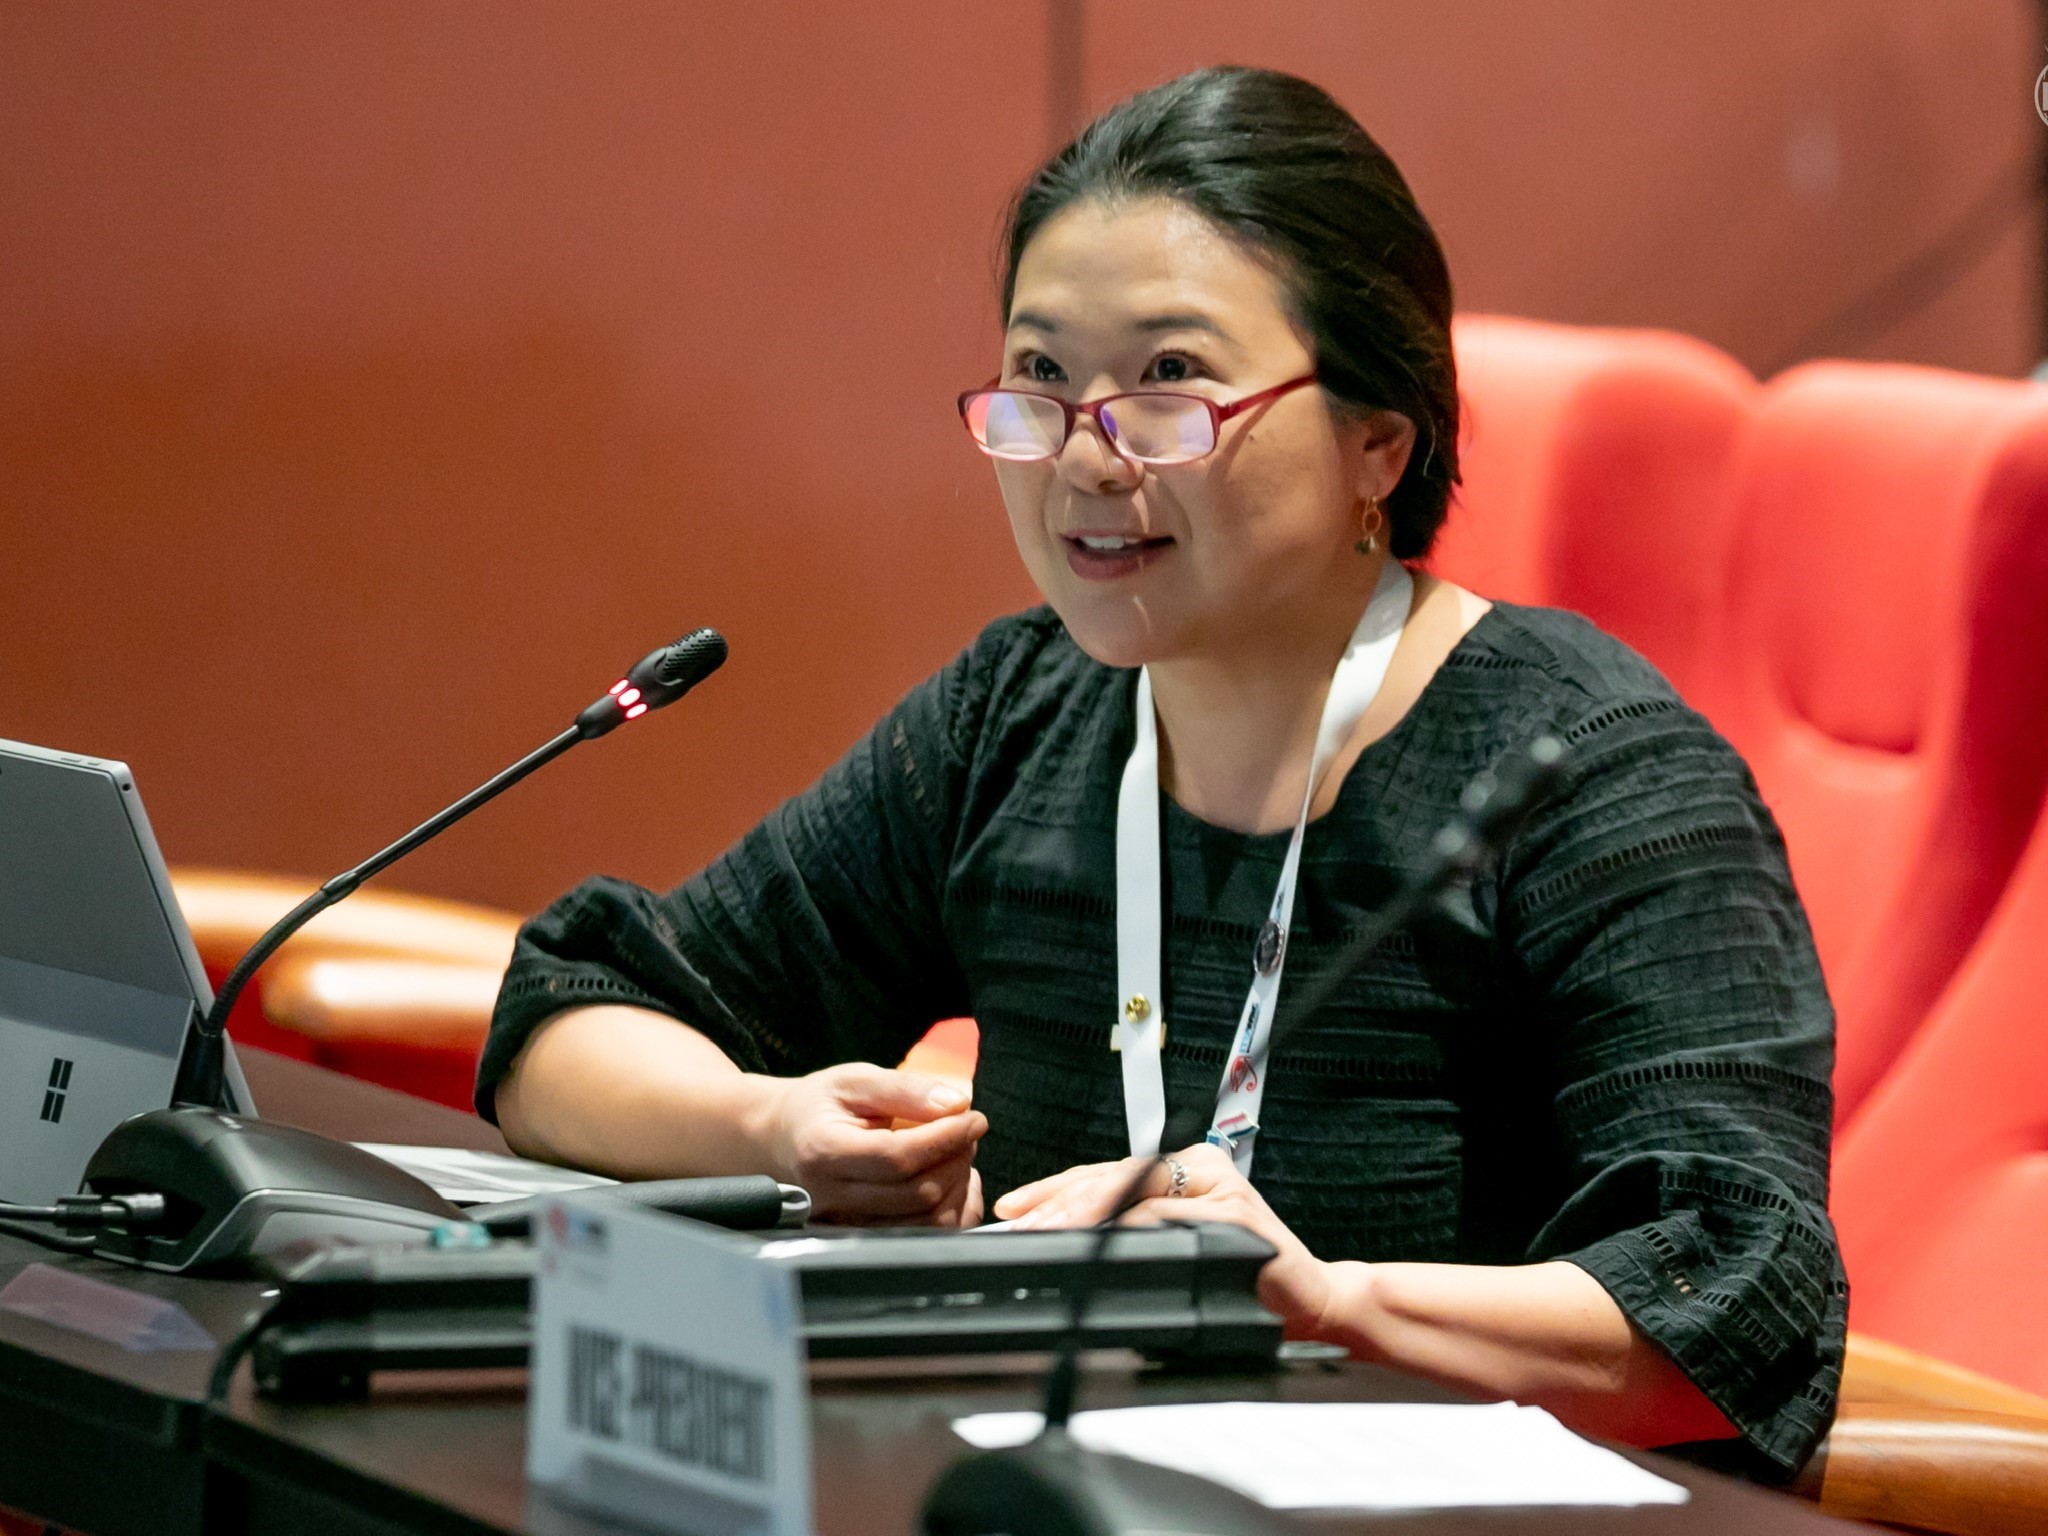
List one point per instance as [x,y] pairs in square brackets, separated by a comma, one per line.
[376,380]
[1742,171]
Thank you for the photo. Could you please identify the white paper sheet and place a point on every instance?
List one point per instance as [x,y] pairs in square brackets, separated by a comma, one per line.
[464,1177]
[1359,1455]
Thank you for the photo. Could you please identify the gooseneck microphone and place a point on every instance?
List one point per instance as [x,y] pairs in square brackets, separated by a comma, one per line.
[659,678]
[1054,1487]
[1490,807]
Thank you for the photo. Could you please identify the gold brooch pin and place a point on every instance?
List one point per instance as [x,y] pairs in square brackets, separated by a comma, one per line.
[1137,1009]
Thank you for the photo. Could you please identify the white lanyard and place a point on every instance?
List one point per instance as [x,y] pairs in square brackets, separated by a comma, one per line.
[1140,1027]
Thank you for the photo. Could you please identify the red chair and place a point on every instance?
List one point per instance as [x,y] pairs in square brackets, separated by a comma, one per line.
[393,988]
[1595,476]
[1941,1183]
[1842,569]
[1881,660]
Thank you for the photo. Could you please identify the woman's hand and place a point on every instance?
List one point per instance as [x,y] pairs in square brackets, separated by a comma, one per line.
[1296,1285]
[832,1133]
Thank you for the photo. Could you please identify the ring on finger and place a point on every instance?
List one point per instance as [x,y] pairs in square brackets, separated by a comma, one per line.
[1176,1177]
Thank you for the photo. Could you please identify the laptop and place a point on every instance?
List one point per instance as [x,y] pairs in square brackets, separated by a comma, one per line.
[100,984]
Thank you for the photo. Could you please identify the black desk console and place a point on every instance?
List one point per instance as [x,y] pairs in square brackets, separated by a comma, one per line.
[1183,1294]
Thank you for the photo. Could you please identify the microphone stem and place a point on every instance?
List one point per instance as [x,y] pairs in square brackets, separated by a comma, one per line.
[1457,851]
[377,863]
[201,1083]
[1062,1381]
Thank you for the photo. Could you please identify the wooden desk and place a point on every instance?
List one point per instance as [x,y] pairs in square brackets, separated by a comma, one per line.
[446,1462]
[110,1442]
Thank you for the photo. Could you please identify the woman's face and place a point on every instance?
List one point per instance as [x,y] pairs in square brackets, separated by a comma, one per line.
[1148,563]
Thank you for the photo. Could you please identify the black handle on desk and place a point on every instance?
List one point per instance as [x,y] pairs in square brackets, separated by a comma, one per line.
[747,1202]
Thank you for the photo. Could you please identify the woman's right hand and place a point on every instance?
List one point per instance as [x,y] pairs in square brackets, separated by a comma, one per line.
[832,1132]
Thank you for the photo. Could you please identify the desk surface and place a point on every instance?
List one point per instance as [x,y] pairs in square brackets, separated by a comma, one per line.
[446,1454]
[440,1461]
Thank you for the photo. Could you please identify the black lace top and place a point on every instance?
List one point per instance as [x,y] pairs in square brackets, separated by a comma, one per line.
[1614,1048]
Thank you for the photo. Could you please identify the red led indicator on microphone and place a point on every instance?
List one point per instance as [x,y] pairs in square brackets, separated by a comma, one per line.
[617,688]
[636,711]
[630,697]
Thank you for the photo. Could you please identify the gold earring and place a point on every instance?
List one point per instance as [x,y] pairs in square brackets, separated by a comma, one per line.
[1369,528]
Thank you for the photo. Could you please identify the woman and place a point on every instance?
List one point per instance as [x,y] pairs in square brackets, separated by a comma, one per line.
[1564,1139]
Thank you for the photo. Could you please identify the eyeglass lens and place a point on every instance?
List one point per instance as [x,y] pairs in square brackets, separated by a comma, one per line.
[1017,426]
[1158,428]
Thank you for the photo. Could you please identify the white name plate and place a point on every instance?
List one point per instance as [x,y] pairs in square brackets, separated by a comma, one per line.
[669,1384]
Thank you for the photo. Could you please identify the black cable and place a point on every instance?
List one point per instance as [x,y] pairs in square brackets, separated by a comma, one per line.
[12,1212]
[32,1222]
[237,1348]
[78,1218]
[1925,276]
[43,1237]
[1491,806]
[88,1212]
[81,1214]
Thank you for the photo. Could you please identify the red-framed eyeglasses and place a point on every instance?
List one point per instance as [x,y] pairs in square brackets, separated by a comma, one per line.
[1153,426]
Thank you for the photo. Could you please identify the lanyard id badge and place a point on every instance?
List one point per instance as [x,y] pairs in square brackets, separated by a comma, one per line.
[1139,1031]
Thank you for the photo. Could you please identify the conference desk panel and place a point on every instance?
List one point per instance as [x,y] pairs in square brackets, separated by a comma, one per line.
[113,1442]
[107,1440]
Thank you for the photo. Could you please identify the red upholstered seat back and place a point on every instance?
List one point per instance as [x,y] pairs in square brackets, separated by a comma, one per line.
[1845,569]
[1595,466]
[1879,659]
[1941,1183]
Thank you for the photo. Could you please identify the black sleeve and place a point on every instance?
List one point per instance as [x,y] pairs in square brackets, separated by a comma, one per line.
[1653,913]
[816,939]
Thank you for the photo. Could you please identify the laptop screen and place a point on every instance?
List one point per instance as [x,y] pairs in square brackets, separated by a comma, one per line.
[99,982]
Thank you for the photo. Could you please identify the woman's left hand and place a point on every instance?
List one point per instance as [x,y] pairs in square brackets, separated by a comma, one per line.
[1296,1284]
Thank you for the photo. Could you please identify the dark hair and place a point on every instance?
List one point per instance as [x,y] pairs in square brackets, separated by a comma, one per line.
[1278,165]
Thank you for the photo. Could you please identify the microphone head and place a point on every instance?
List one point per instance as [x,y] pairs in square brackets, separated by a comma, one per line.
[681,666]
[658,678]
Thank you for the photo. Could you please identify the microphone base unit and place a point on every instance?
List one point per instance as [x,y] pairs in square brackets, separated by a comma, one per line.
[1182,1295]
[1054,1487]
[232,1188]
